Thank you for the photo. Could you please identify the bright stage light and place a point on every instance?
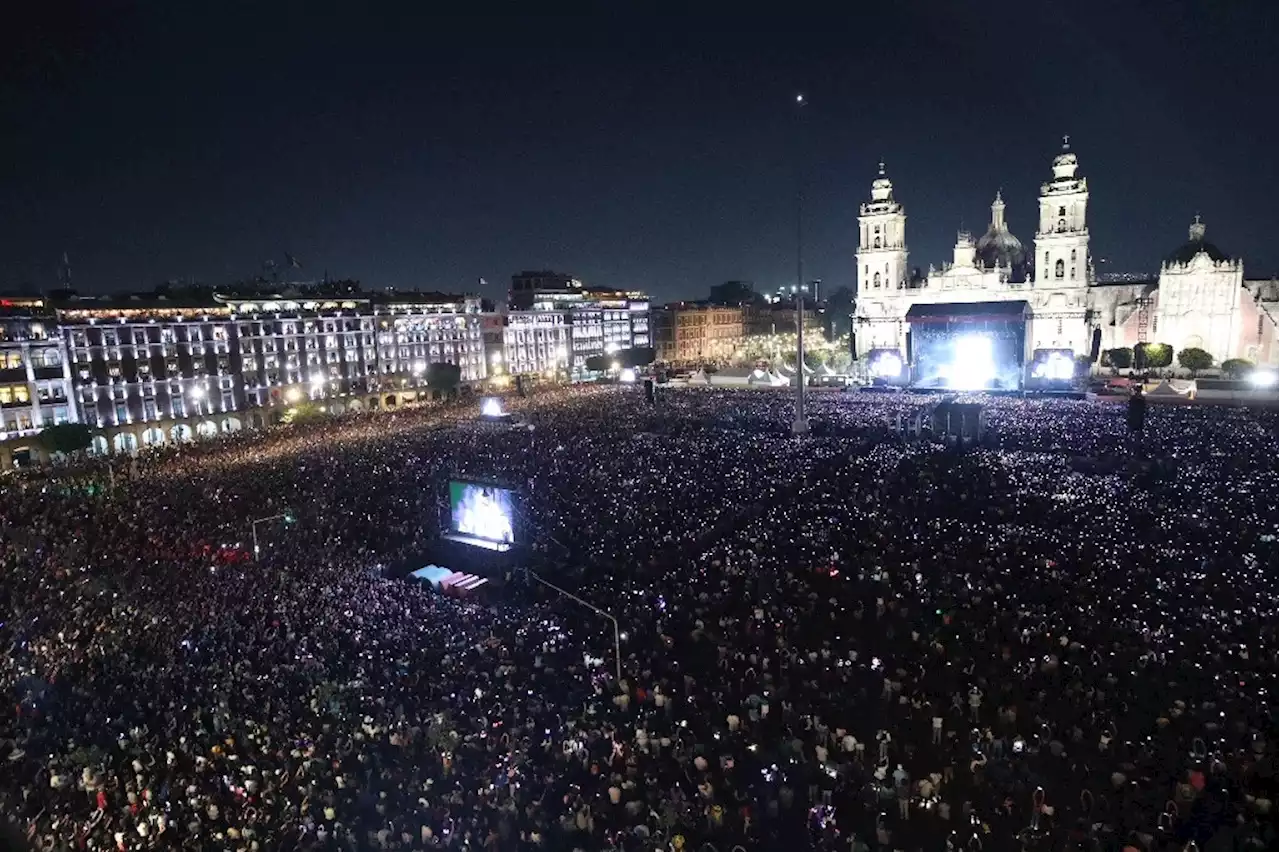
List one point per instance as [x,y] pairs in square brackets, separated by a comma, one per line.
[628,375]
[973,365]
[1262,378]
[886,365]
[491,407]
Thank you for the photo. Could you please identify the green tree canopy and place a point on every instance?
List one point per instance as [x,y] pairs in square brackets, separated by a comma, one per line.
[66,438]
[1121,357]
[1157,355]
[1237,368]
[1195,359]
[443,376]
[305,412]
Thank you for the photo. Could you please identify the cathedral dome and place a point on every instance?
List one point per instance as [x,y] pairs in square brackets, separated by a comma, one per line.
[1196,244]
[998,247]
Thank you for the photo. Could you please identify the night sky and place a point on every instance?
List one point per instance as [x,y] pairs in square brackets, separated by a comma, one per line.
[630,149]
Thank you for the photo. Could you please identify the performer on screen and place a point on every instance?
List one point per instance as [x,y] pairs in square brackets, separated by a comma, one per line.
[483,516]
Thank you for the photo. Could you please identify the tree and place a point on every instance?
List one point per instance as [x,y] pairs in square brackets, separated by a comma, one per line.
[1121,357]
[306,412]
[636,356]
[1195,359]
[66,438]
[443,376]
[1157,355]
[1237,368]
[840,361]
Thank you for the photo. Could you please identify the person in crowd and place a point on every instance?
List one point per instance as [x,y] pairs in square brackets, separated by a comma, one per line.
[1062,639]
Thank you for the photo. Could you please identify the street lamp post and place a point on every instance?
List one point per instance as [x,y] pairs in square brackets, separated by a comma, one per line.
[617,635]
[253,528]
[801,424]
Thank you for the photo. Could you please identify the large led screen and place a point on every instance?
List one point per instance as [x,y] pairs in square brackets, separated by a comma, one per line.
[482,511]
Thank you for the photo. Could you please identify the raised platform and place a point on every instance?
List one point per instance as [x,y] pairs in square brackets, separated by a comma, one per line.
[487,544]
[1028,394]
[448,581]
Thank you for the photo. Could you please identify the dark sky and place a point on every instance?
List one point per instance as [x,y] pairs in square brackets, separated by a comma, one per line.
[154,141]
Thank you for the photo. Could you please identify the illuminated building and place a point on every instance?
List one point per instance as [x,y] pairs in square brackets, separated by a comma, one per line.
[158,368]
[1199,299]
[536,342]
[691,332]
[601,321]
[35,379]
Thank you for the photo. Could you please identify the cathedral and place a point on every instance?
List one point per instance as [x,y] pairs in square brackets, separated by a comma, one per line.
[1200,297]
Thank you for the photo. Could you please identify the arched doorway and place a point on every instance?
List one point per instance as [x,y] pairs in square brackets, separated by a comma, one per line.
[355,405]
[231,424]
[206,429]
[98,446]
[390,402]
[125,442]
[180,433]
[152,437]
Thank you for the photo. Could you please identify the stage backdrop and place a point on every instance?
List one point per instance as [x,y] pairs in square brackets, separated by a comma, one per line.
[974,346]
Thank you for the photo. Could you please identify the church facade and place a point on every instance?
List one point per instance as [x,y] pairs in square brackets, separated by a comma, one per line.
[1200,297]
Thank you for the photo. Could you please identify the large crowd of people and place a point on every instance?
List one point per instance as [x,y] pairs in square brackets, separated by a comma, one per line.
[1062,637]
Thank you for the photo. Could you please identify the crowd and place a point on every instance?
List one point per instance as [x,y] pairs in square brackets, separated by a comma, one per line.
[1061,638]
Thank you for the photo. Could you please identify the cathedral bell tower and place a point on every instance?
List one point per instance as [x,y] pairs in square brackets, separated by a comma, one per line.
[1062,240]
[882,240]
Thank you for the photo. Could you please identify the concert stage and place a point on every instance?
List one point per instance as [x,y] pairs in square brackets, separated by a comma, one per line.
[1023,394]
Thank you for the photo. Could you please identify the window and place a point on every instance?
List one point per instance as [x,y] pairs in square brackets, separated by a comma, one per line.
[1059,325]
[1062,224]
[1073,255]
[1073,273]
[10,394]
[1046,260]
[52,358]
[876,284]
[11,360]
[877,245]
[1062,211]
[1058,269]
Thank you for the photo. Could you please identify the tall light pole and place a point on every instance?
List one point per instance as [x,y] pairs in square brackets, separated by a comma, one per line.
[617,634]
[801,424]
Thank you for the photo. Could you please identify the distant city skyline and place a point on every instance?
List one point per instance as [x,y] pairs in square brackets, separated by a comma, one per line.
[628,150]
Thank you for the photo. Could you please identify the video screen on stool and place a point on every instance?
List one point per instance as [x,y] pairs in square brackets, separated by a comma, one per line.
[483,511]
